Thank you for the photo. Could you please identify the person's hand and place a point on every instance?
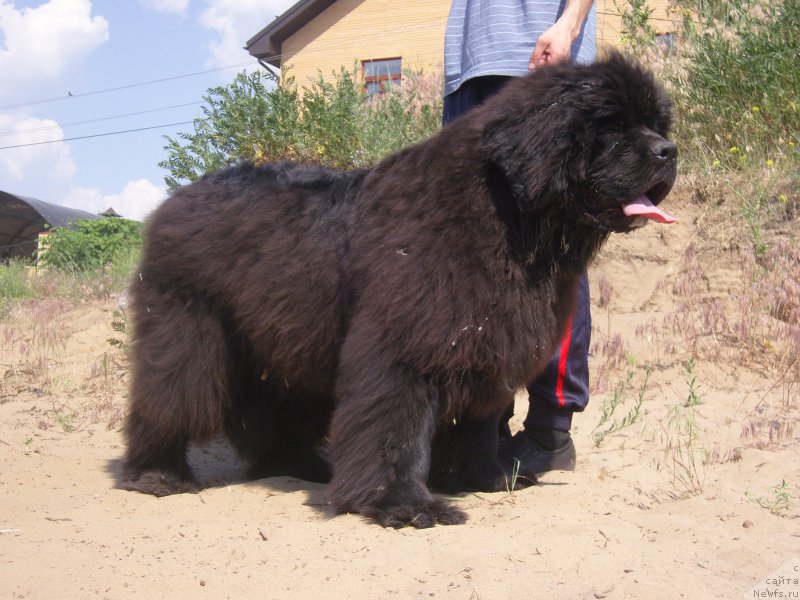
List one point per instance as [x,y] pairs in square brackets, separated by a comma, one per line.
[553,46]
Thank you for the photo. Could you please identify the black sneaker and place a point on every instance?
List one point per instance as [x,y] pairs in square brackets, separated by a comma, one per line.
[533,458]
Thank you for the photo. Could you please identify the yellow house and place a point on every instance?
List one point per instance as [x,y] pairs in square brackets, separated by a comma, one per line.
[381,37]
[609,19]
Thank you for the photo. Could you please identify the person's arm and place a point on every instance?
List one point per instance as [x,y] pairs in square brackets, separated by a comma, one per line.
[555,44]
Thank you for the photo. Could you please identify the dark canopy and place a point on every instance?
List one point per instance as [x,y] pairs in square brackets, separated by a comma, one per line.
[22,219]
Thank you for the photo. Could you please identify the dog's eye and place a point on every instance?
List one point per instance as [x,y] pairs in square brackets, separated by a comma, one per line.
[611,141]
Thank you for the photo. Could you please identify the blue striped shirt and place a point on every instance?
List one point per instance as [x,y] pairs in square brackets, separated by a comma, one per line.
[497,37]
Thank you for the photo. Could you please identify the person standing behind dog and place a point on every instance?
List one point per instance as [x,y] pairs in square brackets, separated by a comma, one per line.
[487,42]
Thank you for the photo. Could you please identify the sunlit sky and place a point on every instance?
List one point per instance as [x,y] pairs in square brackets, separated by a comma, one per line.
[60,58]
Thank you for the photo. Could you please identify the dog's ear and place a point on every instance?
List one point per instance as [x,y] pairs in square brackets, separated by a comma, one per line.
[536,143]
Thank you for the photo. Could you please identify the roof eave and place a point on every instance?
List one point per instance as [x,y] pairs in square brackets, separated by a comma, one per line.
[266,44]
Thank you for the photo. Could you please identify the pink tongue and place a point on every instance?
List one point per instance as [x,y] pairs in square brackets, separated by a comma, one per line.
[642,207]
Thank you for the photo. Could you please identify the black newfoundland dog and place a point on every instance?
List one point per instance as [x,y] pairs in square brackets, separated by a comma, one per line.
[370,327]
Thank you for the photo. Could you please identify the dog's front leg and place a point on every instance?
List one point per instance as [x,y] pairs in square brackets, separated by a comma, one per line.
[380,439]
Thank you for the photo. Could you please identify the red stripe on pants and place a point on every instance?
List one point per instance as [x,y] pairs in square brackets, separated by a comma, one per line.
[562,362]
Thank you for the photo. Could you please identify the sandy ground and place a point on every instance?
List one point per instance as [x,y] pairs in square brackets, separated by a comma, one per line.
[674,501]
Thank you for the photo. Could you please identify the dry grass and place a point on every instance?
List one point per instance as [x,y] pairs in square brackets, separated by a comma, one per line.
[737,295]
[733,305]
[33,342]
[37,363]
[107,386]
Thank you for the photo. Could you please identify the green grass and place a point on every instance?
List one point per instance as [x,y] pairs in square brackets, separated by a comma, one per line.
[16,283]
[21,281]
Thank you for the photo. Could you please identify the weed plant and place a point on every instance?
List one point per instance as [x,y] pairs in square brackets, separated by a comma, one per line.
[610,406]
[63,418]
[694,397]
[777,502]
[684,458]
[120,325]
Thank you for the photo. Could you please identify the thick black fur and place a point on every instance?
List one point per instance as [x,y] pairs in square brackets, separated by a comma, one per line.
[389,313]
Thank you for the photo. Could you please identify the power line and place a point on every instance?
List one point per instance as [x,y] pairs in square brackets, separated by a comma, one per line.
[84,137]
[86,122]
[330,45]
[123,87]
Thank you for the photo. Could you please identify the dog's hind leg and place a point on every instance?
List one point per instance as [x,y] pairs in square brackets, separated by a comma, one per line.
[277,430]
[465,457]
[380,441]
[178,393]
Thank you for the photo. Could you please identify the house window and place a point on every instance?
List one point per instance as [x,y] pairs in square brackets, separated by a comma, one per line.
[379,74]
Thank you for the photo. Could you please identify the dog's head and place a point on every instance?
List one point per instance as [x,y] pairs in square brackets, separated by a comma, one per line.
[588,140]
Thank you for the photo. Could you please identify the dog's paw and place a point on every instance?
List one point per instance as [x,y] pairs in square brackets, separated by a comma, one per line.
[159,483]
[420,515]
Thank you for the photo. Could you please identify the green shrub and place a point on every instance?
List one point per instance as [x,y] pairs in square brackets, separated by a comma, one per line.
[15,284]
[400,117]
[732,71]
[330,120]
[242,120]
[636,25]
[333,123]
[93,245]
[737,91]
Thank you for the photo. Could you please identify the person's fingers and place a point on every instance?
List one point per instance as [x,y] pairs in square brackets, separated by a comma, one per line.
[540,54]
